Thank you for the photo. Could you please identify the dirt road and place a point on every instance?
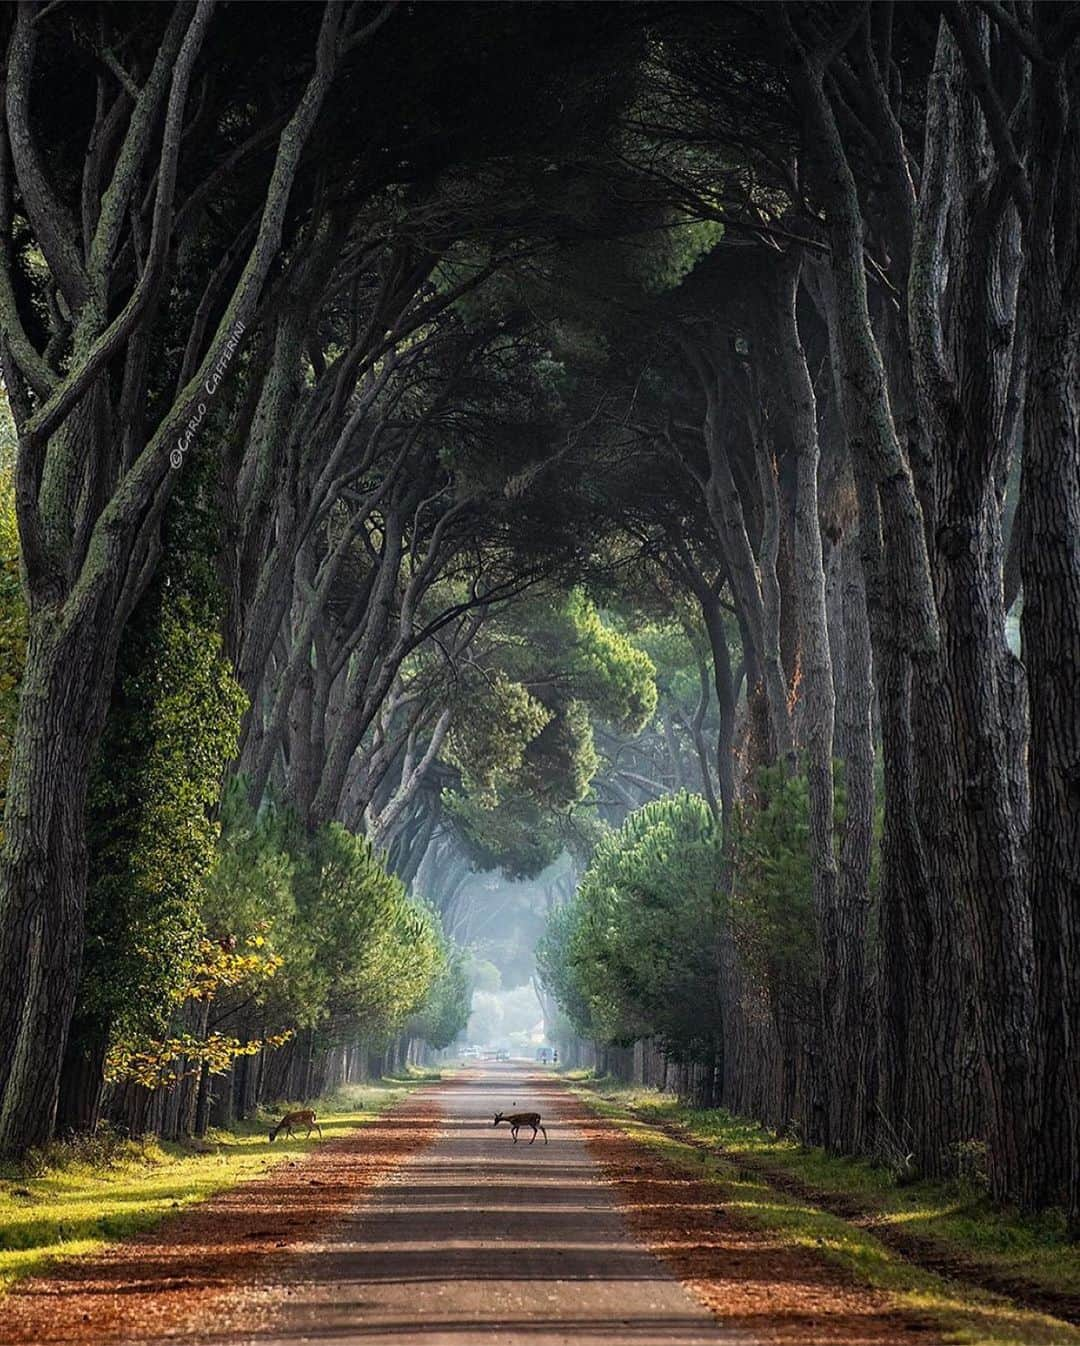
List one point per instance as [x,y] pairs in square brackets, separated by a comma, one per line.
[431,1227]
[478,1239]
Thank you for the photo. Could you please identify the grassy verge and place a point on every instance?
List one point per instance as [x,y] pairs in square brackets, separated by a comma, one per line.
[964,1313]
[76,1197]
[420,1075]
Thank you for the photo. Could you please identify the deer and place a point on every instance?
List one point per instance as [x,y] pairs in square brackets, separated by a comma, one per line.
[305,1117]
[515,1120]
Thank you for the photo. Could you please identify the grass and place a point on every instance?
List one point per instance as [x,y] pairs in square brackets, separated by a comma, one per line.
[72,1198]
[420,1075]
[957,1218]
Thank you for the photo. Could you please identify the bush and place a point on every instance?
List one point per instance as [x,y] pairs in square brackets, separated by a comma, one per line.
[637,951]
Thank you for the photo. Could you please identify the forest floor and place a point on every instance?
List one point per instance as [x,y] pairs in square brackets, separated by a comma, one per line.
[71,1198]
[939,1250]
[428,1226]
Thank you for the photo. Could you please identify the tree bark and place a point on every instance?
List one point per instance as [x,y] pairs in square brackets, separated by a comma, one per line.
[961,345]
[43,867]
[850,1120]
[82,1081]
[834,1085]
[1050,623]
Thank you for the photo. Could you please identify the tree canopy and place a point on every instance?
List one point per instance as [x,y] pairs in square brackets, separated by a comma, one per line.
[617,466]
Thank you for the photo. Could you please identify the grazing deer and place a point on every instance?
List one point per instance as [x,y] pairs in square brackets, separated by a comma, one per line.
[305,1117]
[518,1119]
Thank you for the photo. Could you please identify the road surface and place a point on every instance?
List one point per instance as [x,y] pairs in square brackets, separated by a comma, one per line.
[476,1239]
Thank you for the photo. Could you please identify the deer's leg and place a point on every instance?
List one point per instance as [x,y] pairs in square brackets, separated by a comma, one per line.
[533,1135]
[545,1135]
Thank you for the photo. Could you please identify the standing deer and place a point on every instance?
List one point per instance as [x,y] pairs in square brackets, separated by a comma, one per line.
[518,1119]
[305,1117]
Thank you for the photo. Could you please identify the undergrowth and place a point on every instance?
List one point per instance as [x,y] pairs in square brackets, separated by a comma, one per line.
[956,1216]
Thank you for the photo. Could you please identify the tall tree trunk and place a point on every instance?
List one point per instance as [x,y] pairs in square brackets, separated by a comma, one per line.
[920,997]
[1050,623]
[961,357]
[850,1123]
[82,1080]
[833,1086]
[753,581]
[43,867]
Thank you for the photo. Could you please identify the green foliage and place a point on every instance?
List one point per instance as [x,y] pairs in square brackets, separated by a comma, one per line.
[677,646]
[773,904]
[523,738]
[484,975]
[375,953]
[612,676]
[637,951]
[317,935]
[561,976]
[136,1054]
[516,836]
[445,1012]
[355,952]
[673,253]
[250,896]
[562,759]
[173,728]
[495,720]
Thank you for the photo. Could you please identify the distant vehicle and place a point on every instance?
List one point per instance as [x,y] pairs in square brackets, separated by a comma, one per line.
[502,1054]
[545,1055]
[467,1053]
